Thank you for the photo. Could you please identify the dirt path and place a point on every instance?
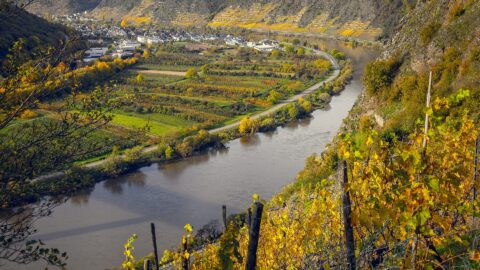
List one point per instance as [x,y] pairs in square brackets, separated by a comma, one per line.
[161,72]
[277,107]
[273,109]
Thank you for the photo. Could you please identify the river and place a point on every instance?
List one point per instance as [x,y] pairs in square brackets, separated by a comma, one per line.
[93,226]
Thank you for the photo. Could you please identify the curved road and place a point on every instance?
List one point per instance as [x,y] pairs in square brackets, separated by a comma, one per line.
[333,76]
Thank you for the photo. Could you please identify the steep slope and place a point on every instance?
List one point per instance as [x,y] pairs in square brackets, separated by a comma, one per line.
[16,23]
[412,194]
[366,19]
[51,7]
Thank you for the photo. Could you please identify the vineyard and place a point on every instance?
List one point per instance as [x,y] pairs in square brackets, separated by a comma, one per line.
[397,188]
[177,90]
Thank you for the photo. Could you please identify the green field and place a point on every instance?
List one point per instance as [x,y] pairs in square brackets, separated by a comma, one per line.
[226,86]
[154,127]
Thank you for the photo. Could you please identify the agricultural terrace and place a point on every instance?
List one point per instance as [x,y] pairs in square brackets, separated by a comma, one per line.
[182,87]
[172,91]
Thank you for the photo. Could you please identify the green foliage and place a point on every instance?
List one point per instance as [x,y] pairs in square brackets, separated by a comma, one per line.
[300,51]
[140,79]
[289,49]
[169,152]
[379,75]
[275,53]
[337,54]
[38,33]
[274,97]
[192,73]
[292,110]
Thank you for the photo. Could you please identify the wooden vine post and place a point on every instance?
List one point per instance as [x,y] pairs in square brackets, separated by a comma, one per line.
[224,216]
[347,219]
[475,177]
[254,235]
[154,240]
[249,219]
[147,265]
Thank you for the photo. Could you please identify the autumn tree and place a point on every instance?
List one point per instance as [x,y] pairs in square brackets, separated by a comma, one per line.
[146,53]
[191,73]
[248,126]
[123,23]
[139,78]
[300,51]
[289,49]
[31,149]
[274,96]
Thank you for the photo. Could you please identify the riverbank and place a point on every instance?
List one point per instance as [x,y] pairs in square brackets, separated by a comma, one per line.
[85,177]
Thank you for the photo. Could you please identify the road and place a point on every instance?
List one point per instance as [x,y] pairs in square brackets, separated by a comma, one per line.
[333,76]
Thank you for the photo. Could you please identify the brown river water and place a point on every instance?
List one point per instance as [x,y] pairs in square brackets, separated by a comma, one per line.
[93,226]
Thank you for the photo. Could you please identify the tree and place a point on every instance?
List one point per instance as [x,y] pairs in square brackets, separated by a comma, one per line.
[274,96]
[380,74]
[289,49]
[248,126]
[305,105]
[139,78]
[300,51]
[146,53]
[296,42]
[192,73]
[33,148]
[275,53]
[123,23]
[323,64]
[292,110]
[169,152]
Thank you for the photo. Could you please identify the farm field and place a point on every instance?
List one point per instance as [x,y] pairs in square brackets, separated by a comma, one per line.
[218,86]
[173,92]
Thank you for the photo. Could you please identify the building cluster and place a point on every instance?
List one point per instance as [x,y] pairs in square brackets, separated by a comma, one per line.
[113,40]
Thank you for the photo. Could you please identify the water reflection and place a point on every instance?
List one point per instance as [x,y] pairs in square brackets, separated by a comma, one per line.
[115,185]
[94,226]
[81,197]
[250,140]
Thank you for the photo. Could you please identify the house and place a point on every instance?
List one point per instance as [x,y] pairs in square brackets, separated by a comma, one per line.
[96,52]
[130,46]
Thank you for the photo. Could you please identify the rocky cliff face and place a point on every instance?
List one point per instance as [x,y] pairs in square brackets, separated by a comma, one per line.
[356,18]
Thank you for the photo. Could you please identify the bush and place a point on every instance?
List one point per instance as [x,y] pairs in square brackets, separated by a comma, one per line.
[380,74]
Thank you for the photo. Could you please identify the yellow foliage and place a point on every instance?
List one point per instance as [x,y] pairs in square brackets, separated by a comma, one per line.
[28,114]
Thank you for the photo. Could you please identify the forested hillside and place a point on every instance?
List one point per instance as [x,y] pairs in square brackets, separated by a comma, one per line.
[413,194]
[15,23]
[363,19]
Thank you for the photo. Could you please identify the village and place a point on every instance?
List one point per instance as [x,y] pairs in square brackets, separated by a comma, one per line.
[109,39]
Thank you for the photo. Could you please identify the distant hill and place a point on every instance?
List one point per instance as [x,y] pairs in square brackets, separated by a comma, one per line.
[17,23]
[366,19]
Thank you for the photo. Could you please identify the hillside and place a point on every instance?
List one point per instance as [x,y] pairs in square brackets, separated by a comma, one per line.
[368,19]
[16,24]
[413,195]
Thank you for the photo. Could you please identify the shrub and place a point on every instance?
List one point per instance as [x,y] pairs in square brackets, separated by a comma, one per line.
[380,74]
[274,96]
